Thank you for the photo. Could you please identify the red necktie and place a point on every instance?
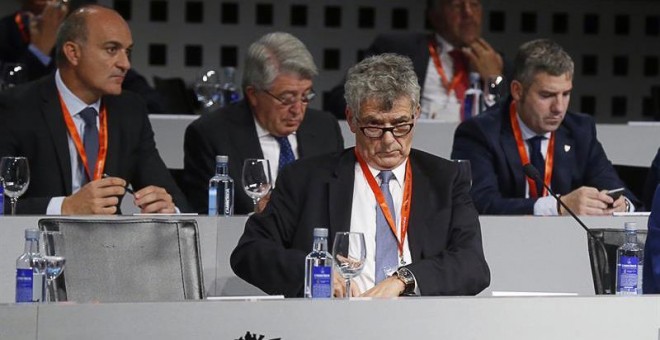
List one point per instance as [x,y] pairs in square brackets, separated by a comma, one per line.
[460,66]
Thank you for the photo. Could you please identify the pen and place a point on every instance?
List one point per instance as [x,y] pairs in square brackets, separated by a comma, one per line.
[128,190]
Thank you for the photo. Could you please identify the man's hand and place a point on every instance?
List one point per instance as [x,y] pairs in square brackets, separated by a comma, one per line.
[339,286]
[98,197]
[262,203]
[590,201]
[153,199]
[484,59]
[43,28]
[388,288]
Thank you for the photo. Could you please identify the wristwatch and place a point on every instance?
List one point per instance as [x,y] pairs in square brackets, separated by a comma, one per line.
[408,279]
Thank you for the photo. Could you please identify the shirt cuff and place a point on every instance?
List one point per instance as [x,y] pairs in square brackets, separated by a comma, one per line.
[545,206]
[55,206]
[43,58]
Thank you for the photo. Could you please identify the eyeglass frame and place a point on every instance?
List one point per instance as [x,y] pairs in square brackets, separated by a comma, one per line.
[305,99]
[386,129]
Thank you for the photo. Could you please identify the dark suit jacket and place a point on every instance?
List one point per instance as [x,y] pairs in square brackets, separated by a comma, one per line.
[498,185]
[652,180]
[412,45]
[231,131]
[31,125]
[444,232]
[651,275]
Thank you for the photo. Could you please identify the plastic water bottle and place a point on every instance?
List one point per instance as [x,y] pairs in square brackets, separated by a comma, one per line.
[318,267]
[629,263]
[30,269]
[229,88]
[2,198]
[221,189]
[473,100]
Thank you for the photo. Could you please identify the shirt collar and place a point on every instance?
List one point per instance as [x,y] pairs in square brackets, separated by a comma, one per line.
[261,132]
[528,133]
[399,172]
[445,46]
[72,102]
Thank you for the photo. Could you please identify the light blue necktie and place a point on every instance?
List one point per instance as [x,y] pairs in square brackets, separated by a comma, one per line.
[386,242]
[286,154]
[90,139]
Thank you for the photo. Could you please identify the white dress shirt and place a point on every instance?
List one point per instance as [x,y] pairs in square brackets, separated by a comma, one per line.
[436,103]
[271,148]
[74,105]
[363,219]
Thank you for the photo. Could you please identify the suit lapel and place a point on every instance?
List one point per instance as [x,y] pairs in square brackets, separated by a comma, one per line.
[418,210]
[510,149]
[112,161]
[563,161]
[306,139]
[340,192]
[51,110]
[246,141]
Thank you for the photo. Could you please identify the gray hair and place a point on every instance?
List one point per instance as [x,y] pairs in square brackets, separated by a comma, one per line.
[541,55]
[73,28]
[275,54]
[384,78]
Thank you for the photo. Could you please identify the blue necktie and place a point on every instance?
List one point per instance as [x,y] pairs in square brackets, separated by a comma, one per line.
[386,242]
[286,154]
[536,158]
[90,138]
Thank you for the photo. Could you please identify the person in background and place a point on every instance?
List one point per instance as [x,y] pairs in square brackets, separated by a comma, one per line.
[273,121]
[442,60]
[427,241]
[28,37]
[77,125]
[533,126]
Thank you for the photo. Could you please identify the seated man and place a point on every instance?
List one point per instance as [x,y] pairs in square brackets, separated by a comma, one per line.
[534,127]
[430,230]
[651,284]
[272,122]
[442,60]
[76,125]
[28,37]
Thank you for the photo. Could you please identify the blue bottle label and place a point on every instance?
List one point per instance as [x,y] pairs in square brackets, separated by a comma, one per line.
[213,201]
[628,274]
[2,199]
[24,285]
[322,282]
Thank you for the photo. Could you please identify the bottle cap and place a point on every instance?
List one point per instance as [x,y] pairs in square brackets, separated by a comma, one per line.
[320,232]
[474,77]
[630,226]
[32,234]
[221,159]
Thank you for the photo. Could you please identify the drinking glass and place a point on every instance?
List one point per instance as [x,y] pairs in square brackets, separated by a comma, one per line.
[465,167]
[349,252]
[54,256]
[257,181]
[494,89]
[208,89]
[15,175]
[12,74]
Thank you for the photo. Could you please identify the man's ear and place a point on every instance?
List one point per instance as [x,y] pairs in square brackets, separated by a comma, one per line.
[251,95]
[72,52]
[516,90]
[350,120]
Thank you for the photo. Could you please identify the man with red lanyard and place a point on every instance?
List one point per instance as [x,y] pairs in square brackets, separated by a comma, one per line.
[442,60]
[85,140]
[534,127]
[421,229]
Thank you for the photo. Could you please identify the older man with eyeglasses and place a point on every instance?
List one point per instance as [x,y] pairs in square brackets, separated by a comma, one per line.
[421,229]
[273,122]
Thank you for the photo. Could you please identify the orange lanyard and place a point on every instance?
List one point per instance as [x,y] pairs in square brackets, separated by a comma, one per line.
[405,205]
[549,158]
[21,28]
[103,140]
[459,73]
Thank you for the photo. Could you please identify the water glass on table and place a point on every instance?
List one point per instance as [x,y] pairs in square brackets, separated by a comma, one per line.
[55,257]
[256,178]
[349,251]
[15,176]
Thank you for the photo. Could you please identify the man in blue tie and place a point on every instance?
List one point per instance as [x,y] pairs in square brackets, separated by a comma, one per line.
[534,127]
[274,121]
[421,229]
[85,140]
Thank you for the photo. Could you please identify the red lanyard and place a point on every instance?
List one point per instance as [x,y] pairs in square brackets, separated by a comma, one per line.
[103,140]
[460,75]
[25,35]
[405,205]
[549,158]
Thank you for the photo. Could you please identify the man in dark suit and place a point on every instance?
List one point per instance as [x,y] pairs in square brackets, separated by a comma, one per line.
[77,125]
[432,242]
[652,181]
[28,37]
[442,60]
[273,121]
[534,127]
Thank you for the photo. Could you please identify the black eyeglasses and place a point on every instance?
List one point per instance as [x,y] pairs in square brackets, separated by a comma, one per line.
[378,132]
[290,99]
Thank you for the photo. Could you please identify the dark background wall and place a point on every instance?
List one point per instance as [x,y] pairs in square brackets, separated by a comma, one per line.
[615,43]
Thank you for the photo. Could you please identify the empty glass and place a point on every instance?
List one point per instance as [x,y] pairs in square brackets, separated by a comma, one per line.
[465,167]
[494,89]
[15,176]
[12,74]
[208,89]
[256,178]
[55,258]
[349,251]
